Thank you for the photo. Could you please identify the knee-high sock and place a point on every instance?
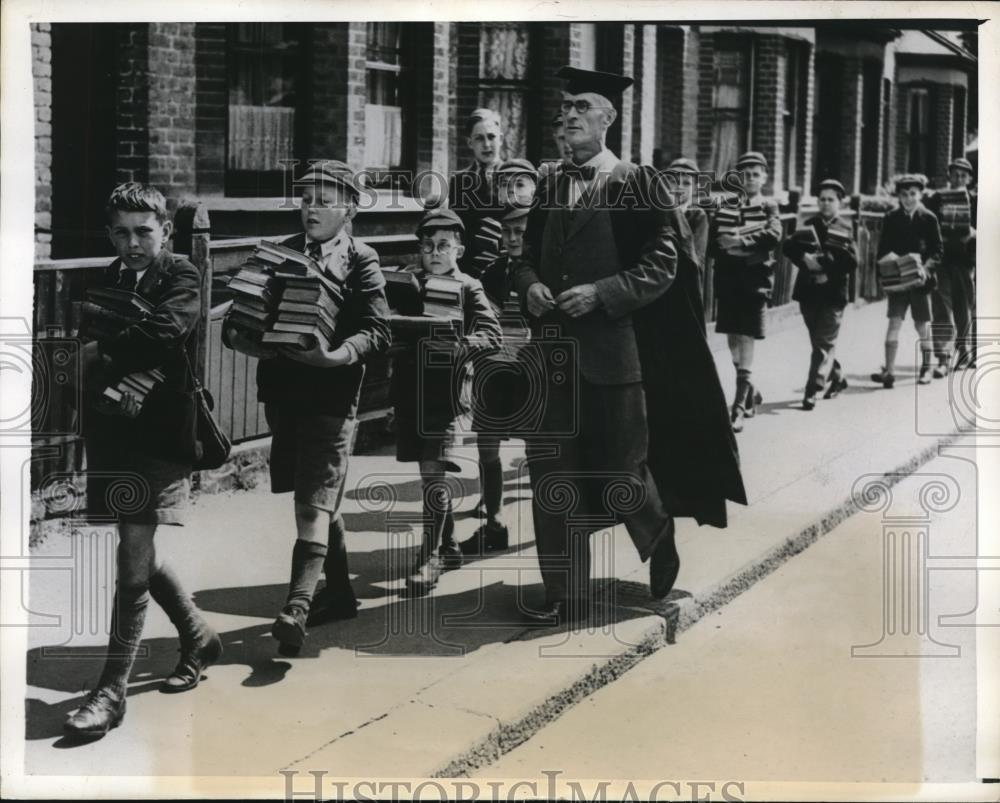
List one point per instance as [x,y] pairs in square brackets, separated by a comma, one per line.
[166,590]
[743,386]
[891,347]
[307,563]
[491,472]
[127,621]
[338,577]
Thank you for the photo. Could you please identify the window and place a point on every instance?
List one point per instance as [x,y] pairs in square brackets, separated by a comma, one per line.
[504,61]
[791,112]
[387,79]
[919,154]
[263,88]
[731,97]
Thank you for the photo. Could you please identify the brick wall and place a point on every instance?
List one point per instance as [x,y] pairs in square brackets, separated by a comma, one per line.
[767,127]
[849,168]
[171,107]
[433,99]
[211,107]
[630,96]
[943,121]
[560,47]
[648,112]
[41,70]
[706,67]
[900,111]
[357,92]
[453,125]
[132,111]
[466,57]
[328,136]
[805,144]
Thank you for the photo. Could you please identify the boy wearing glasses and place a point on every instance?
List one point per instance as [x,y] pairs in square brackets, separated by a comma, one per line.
[426,385]
[311,400]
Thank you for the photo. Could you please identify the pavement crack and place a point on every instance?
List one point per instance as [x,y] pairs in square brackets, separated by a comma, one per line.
[339,737]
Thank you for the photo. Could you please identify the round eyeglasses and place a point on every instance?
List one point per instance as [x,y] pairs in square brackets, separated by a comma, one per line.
[581,106]
[443,247]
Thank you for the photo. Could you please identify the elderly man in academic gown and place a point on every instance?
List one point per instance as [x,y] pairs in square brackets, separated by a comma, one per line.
[635,429]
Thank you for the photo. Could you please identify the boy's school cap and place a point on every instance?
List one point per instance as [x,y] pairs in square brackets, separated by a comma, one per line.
[962,164]
[330,171]
[751,158]
[440,218]
[683,165]
[911,180]
[517,166]
[831,184]
[514,212]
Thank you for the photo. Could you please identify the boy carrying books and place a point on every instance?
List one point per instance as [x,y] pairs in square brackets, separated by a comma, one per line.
[742,243]
[427,382]
[825,254]
[141,322]
[310,381]
[953,300]
[501,385]
[909,249]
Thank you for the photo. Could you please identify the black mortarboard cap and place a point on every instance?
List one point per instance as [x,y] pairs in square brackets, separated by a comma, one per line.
[609,84]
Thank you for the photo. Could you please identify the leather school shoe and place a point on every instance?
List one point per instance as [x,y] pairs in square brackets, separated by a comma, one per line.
[450,556]
[290,630]
[924,377]
[490,537]
[836,386]
[664,565]
[424,576]
[941,371]
[329,607]
[736,417]
[753,399]
[194,660]
[884,378]
[100,712]
[809,402]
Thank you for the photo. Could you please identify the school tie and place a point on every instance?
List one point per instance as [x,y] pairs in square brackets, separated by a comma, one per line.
[315,250]
[126,279]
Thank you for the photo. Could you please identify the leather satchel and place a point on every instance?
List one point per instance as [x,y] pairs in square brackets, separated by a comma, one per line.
[213,445]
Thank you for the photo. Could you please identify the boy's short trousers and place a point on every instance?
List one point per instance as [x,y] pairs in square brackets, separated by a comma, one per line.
[429,440]
[741,314]
[134,488]
[918,300]
[501,399]
[309,455]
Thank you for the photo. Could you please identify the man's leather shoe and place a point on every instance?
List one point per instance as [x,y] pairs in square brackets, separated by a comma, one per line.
[290,630]
[836,387]
[193,661]
[100,712]
[664,565]
[329,607]
[490,537]
[558,612]
[424,576]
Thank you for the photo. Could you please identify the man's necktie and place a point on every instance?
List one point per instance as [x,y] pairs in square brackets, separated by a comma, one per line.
[126,279]
[586,172]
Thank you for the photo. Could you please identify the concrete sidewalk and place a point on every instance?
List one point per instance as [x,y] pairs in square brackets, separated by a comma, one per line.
[447,684]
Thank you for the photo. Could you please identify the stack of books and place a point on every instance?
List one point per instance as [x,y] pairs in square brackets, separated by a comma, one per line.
[255,295]
[402,291]
[955,212]
[442,297]
[138,384]
[488,242]
[899,273]
[727,220]
[308,307]
[753,219]
[108,310]
[838,236]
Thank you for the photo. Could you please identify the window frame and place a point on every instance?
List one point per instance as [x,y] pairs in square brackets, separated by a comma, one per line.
[747,47]
[399,175]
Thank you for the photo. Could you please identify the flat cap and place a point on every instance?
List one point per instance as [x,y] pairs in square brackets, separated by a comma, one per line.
[683,165]
[608,84]
[751,158]
[962,164]
[440,218]
[557,119]
[910,180]
[514,212]
[831,184]
[330,171]
[517,166]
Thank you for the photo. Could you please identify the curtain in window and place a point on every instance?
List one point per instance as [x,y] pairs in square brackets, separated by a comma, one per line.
[509,104]
[729,104]
[503,51]
[383,136]
[260,137]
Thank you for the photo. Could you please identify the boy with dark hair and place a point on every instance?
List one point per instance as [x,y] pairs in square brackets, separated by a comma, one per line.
[744,276]
[155,443]
[426,393]
[826,256]
[910,228]
[311,398]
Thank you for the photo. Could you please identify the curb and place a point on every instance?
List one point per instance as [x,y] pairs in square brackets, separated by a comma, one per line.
[673,618]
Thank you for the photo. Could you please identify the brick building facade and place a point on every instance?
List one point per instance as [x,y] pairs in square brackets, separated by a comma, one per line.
[216,109]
